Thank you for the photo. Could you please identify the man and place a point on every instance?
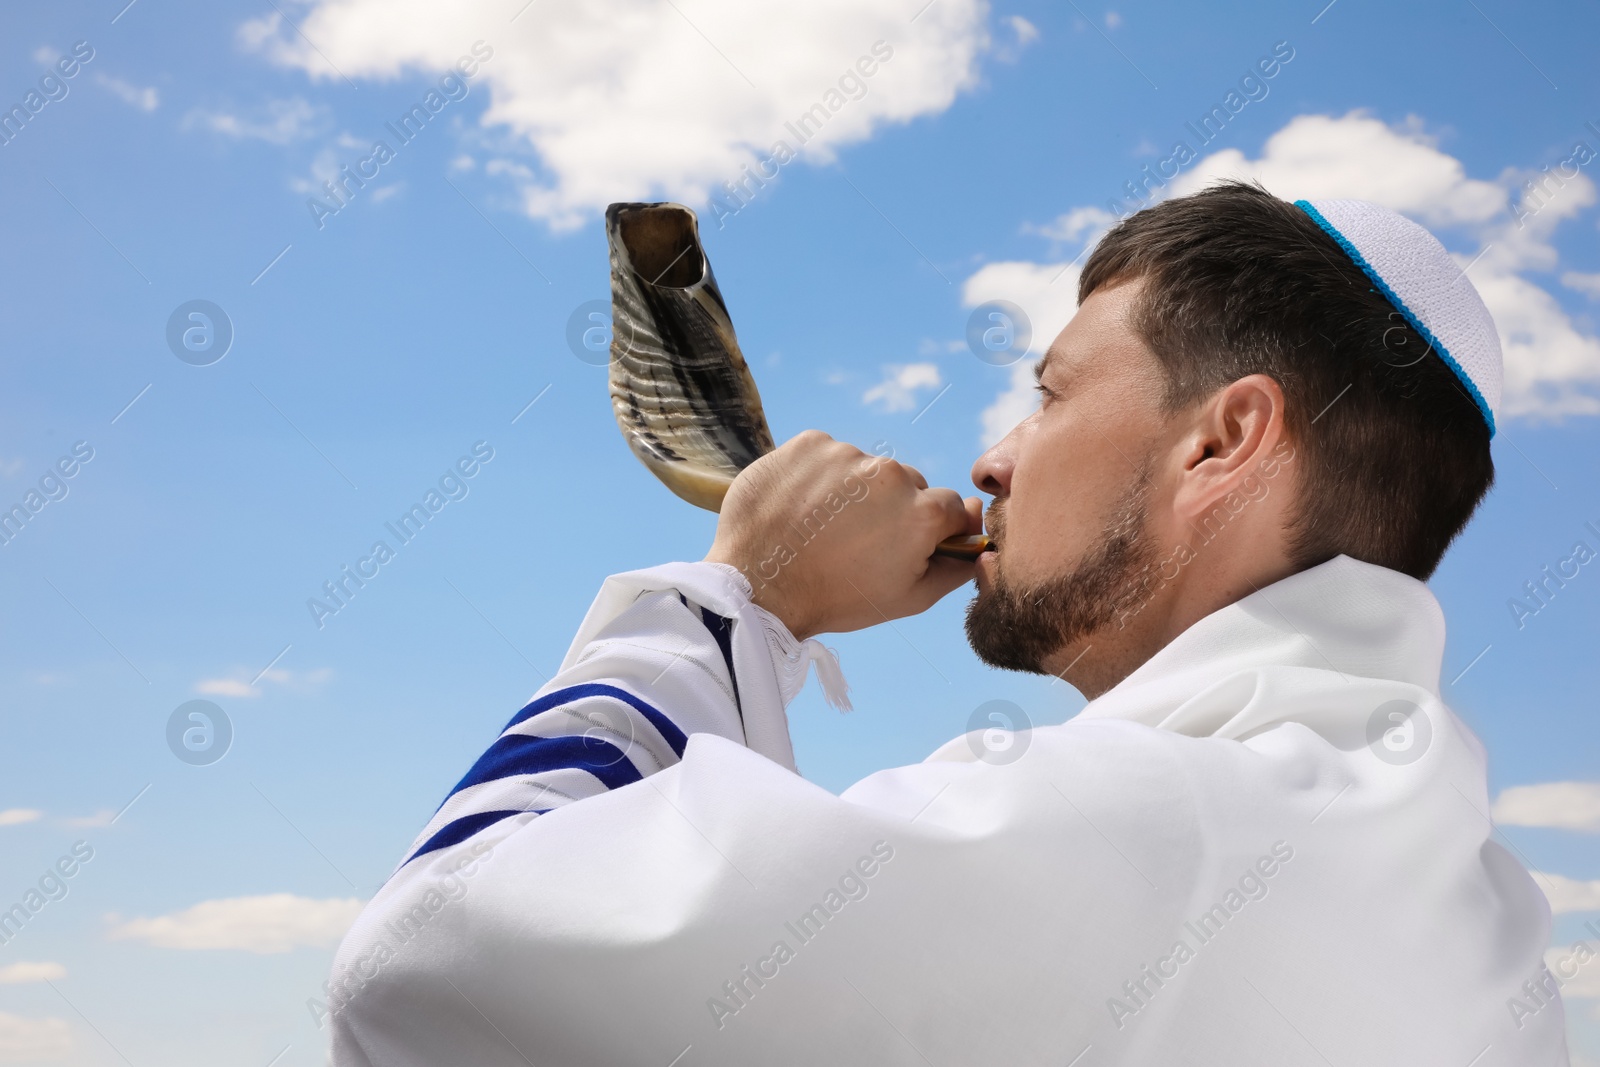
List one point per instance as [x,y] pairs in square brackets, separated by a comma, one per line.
[1264,840]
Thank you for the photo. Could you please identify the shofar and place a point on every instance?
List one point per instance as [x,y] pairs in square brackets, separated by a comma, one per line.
[680,388]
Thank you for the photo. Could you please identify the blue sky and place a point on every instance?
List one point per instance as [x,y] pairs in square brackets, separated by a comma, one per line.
[375,345]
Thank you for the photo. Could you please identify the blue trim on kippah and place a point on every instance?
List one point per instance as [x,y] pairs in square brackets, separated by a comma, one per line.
[1400,306]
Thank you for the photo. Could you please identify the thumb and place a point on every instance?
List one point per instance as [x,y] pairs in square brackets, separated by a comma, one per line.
[974,507]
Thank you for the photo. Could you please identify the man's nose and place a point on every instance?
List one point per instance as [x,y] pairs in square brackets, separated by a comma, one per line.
[992,472]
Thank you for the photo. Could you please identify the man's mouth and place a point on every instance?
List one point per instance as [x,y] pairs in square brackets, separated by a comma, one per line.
[994,524]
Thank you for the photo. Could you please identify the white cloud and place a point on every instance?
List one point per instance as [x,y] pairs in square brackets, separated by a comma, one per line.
[1074,225]
[236,684]
[24,973]
[102,817]
[1026,31]
[146,99]
[1048,294]
[1584,972]
[1523,241]
[930,347]
[24,1040]
[1547,357]
[276,121]
[1552,367]
[1359,157]
[18,816]
[1023,33]
[1567,895]
[509,168]
[1588,284]
[1563,805]
[637,99]
[1015,403]
[265,924]
[226,687]
[324,173]
[901,382]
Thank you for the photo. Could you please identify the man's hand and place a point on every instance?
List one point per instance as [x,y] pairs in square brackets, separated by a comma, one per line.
[833,539]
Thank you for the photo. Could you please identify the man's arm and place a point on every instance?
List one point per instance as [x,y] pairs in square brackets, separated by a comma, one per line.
[664,655]
[654,662]
[692,648]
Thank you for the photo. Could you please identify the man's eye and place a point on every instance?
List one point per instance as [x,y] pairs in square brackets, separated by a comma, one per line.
[1044,393]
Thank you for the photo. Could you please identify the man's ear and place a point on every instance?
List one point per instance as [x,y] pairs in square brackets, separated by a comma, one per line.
[1231,433]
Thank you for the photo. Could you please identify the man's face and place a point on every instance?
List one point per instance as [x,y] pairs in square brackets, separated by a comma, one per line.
[1073,496]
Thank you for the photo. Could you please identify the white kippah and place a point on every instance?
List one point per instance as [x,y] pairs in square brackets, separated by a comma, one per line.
[1411,268]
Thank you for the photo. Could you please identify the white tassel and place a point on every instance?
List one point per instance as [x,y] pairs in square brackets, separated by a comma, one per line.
[835,690]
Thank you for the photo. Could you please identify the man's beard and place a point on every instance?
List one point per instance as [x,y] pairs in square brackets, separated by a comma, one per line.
[1017,629]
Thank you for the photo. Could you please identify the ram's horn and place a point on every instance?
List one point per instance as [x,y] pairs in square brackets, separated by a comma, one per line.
[680,387]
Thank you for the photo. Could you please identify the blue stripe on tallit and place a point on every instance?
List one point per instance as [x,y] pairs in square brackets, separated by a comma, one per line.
[519,754]
[522,754]
[674,737]
[455,832]
[721,628]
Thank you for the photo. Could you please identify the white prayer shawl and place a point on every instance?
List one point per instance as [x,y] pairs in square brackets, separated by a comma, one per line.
[1212,864]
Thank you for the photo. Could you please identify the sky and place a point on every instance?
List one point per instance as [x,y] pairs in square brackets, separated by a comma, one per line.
[241,339]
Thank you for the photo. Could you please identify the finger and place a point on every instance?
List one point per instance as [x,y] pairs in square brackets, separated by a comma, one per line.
[950,515]
[974,514]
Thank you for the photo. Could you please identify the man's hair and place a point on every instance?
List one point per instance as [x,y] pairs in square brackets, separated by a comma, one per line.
[1393,454]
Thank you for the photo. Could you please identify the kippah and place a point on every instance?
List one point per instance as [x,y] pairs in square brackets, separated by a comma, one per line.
[1412,269]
